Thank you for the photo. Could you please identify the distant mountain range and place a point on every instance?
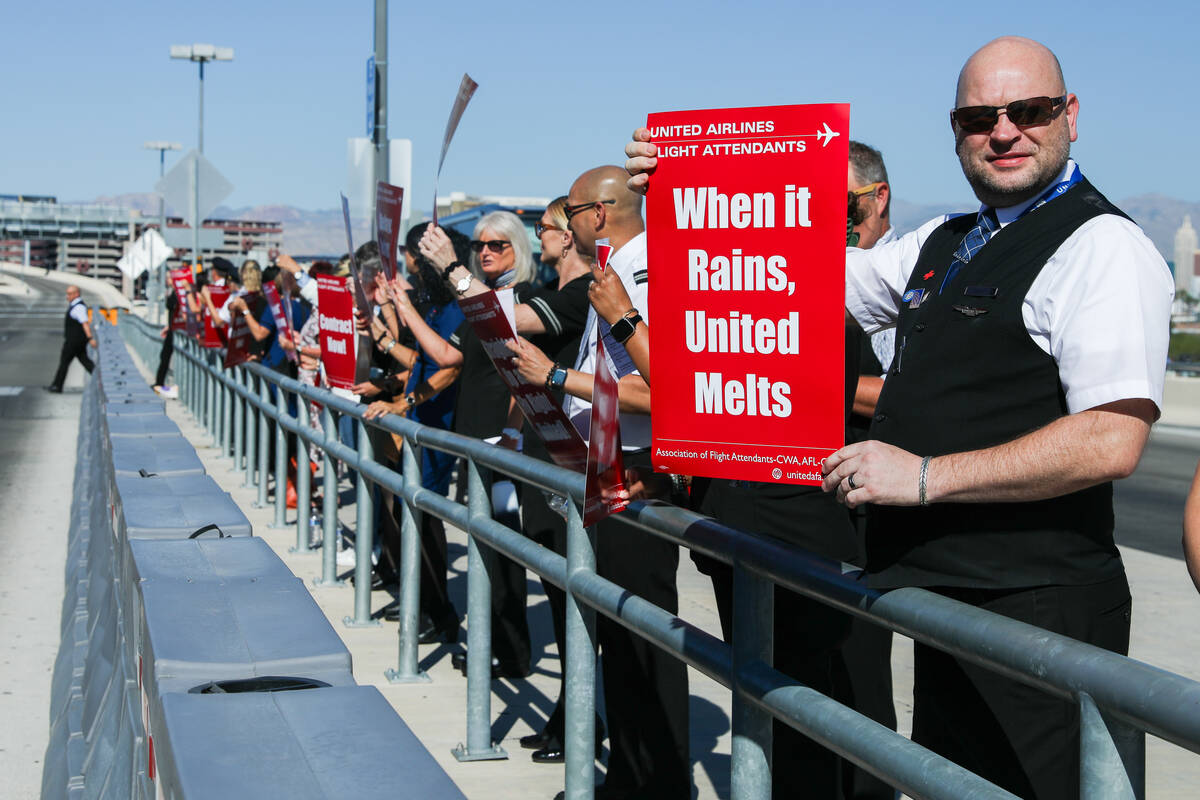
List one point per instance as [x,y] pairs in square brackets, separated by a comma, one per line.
[321,232]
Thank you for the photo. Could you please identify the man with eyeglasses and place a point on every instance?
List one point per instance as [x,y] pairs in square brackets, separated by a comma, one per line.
[1031,344]
[645,690]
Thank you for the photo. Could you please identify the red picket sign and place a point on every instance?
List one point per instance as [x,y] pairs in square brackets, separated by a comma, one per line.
[605,492]
[563,442]
[389,202]
[281,319]
[336,309]
[746,234]
[238,336]
[181,281]
[214,337]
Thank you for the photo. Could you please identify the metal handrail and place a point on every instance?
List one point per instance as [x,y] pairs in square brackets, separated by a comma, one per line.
[1119,698]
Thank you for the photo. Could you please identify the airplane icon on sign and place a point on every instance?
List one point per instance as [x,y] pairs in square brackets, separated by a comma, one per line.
[824,137]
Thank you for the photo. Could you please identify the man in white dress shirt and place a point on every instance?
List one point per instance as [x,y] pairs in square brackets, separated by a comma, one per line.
[1030,353]
[77,335]
[645,690]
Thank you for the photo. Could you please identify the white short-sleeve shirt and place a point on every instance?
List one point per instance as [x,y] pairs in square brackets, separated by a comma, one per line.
[78,311]
[1101,305]
[628,262]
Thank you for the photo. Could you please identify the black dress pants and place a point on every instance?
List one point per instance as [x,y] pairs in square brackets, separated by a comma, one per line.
[808,634]
[164,358]
[645,689]
[1018,737]
[70,351]
[808,637]
[545,526]
[510,624]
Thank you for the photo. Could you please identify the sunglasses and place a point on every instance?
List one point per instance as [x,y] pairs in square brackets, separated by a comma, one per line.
[539,229]
[1031,111]
[495,245]
[575,209]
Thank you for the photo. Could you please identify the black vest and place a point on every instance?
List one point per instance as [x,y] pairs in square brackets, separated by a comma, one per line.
[73,331]
[968,376]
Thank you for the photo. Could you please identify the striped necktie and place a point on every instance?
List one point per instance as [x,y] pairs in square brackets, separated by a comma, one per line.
[972,243]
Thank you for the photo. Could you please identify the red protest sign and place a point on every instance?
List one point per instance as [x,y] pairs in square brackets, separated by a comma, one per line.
[389,202]
[336,310]
[238,336]
[746,234]
[605,467]
[563,442]
[181,282]
[214,337]
[277,313]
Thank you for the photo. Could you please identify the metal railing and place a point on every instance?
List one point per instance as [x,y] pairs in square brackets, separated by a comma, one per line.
[1119,699]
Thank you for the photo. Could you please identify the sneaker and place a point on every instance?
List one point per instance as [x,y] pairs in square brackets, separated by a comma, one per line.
[169,392]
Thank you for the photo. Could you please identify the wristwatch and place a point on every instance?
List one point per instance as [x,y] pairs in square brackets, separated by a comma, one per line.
[453,265]
[557,377]
[463,284]
[411,399]
[625,327]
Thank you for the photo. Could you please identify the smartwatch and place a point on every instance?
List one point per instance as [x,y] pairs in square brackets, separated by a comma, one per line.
[557,377]
[453,266]
[625,327]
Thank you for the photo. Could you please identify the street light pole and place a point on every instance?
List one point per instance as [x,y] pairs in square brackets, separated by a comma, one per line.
[381,102]
[154,283]
[200,53]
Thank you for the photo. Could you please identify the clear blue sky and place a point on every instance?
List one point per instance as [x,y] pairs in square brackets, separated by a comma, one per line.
[561,87]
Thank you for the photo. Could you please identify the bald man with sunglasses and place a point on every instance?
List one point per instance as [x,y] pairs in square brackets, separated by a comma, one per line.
[1030,352]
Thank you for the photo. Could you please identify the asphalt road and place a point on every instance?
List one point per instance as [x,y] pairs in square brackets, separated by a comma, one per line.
[1149,504]
[38,432]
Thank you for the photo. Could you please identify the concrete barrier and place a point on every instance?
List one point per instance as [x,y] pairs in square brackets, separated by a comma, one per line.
[218,745]
[210,644]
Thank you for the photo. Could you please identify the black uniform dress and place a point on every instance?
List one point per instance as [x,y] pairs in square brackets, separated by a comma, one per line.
[74,345]
[563,313]
[808,633]
[1051,563]
[168,345]
[863,667]
[481,411]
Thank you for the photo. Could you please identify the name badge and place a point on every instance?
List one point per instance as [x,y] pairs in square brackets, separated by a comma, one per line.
[981,291]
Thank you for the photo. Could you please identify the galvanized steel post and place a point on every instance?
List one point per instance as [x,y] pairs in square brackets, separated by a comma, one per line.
[210,406]
[329,504]
[281,459]
[251,431]
[364,536]
[753,625]
[580,664]
[406,670]
[227,406]
[480,558]
[264,442]
[238,409]
[1102,774]
[303,481]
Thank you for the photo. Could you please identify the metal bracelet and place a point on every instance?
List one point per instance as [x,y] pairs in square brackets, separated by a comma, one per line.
[921,497]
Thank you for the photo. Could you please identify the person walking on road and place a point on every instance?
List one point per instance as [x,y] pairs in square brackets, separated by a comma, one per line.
[77,335]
